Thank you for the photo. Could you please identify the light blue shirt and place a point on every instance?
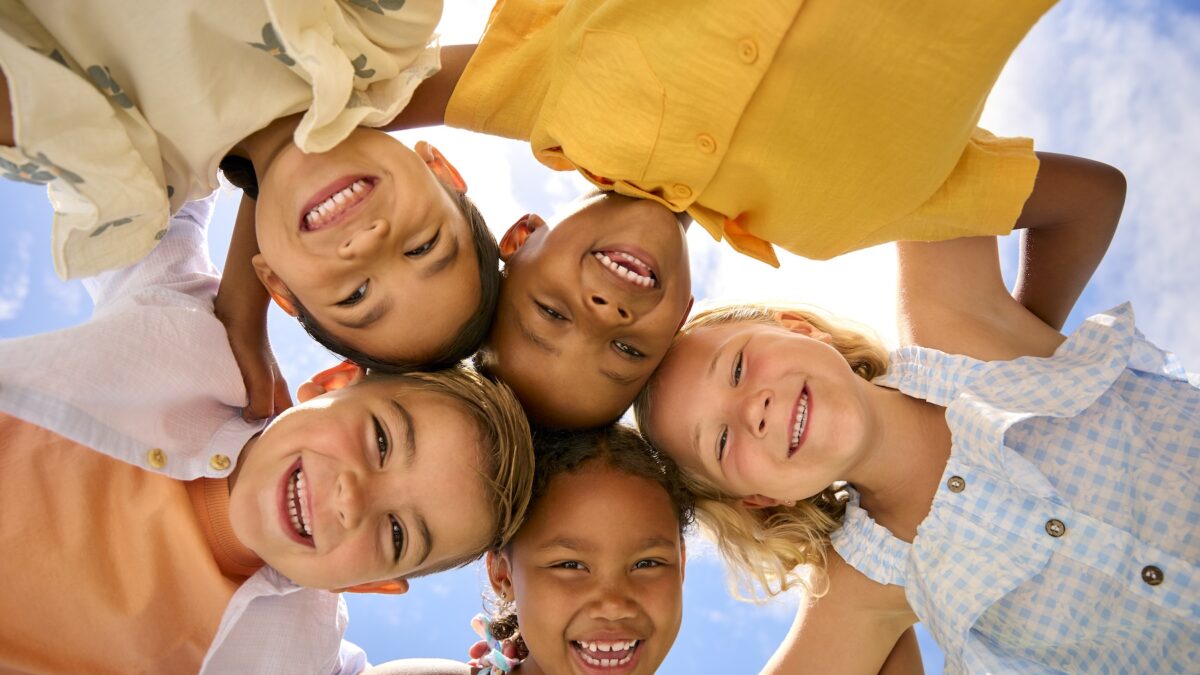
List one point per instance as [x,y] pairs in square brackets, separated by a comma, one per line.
[1065,532]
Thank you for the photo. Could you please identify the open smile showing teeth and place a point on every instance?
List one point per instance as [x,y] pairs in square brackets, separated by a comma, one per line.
[336,204]
[297,501]
[799,422]
[606,653]
[628,267]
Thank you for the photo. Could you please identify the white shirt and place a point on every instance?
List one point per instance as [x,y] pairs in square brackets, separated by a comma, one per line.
[150,380]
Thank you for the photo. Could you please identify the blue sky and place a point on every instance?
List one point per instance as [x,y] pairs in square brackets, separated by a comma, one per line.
[1117,81]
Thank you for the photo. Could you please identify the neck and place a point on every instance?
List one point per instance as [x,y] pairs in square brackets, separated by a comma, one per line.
[262,146]
[906,454]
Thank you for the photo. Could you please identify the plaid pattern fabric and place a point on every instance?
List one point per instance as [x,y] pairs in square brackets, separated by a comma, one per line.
[1065,534]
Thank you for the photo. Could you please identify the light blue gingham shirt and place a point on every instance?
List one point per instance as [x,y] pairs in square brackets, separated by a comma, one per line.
[1073,486]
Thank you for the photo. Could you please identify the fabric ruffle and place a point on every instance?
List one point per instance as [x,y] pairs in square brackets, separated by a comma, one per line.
[869,547]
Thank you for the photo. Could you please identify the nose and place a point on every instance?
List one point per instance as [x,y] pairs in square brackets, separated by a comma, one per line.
[614,601]
[365,240]
[608,309]
[349,499]
[754,411]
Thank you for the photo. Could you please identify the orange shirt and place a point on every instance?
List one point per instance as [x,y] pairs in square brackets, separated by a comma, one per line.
[107,567]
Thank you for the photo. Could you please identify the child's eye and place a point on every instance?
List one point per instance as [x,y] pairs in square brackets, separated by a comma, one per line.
[424,248]
[397,539]
[647,564]
[550,312]
[570,565]
[381,440]
[356,296]
[628,349]
[722,441]
[736,375]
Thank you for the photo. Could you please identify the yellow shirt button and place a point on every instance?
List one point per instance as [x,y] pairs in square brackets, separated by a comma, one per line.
[219,462]
[748,51]
[706,143]
[157,458]
[682,191]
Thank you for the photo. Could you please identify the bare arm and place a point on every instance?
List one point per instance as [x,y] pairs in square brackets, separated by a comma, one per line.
[428,105]
[241,305]
[1069,220]
[851,629]
[6,119]
[905,658]
[952,298]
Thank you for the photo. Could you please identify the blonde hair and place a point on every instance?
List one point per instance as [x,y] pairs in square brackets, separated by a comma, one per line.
[508,460]
[766,548]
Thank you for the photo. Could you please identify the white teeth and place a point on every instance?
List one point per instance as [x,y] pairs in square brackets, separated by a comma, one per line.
[801,420]
[607,646]
[337,201]
[623,271]
[297,492]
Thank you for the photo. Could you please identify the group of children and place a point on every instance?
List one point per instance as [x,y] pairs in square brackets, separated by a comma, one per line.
[1001,481]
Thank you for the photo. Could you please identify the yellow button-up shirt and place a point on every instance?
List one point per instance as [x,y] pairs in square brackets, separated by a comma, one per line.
[818,126]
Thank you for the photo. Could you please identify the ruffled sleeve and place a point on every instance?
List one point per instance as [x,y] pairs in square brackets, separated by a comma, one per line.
[363,59]
[869,547]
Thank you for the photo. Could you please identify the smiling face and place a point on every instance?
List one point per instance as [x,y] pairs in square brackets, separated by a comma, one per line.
[597,574]
[375,481]
[760,409]
[367,239]
[593,302]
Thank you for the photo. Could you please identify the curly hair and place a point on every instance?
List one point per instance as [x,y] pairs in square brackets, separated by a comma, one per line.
[765,548]
[617,447]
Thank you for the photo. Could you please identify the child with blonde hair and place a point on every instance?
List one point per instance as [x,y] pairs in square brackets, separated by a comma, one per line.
[172,534]
[1030,498]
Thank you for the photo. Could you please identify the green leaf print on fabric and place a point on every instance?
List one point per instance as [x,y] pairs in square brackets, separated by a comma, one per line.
[38,170]
[28,172]
[273,46]
[378,7]
[170,191]
[360,69]
[159,235]
[57,56]
[112,223]
[102,77]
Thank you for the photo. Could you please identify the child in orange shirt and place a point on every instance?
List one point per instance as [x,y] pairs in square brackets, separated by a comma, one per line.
[173,533]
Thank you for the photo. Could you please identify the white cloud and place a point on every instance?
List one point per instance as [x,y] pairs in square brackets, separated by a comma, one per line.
[14,282]
[1120,82]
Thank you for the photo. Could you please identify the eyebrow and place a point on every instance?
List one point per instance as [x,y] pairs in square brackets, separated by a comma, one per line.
[565,542]
[380,308]
[712,366]
[537,340]
[410,434]
[617,377]
[444,261]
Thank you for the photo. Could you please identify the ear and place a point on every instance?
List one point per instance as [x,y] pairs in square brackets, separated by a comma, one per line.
[686,312]
[518,234]
[343,374]
[387,586]
[441,167]
[275,286]
[761,502]
[798,324]
[499,569]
